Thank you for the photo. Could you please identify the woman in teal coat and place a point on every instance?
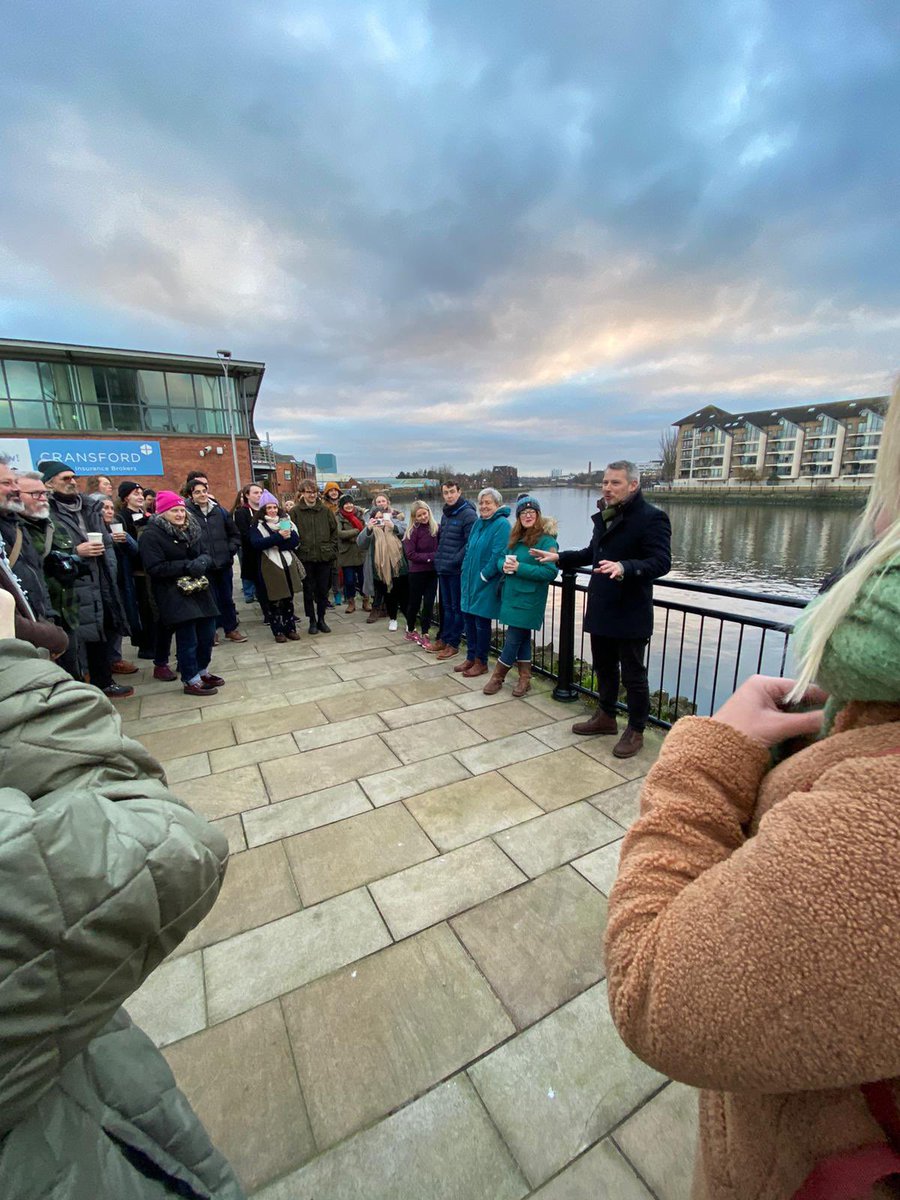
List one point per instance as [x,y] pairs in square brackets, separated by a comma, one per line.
[480,580]
[524,595]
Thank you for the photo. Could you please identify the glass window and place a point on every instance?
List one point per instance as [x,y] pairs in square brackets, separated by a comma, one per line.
[212,422]
[151,387]
[23,380]
[6,421]
[30,414]
[91,384]
[156,419]
[125,418]
[185,420]
[181,389]
[208,389]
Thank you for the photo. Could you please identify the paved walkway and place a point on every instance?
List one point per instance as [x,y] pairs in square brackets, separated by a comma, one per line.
[400,992]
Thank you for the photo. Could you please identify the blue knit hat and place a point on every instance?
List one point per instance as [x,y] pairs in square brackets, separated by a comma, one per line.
[527,501]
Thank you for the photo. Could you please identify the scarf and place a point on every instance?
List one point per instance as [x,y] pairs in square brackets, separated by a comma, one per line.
[278,555]
[353,519]
[387,555]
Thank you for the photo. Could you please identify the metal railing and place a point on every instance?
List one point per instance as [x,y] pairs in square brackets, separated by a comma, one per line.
[699,653]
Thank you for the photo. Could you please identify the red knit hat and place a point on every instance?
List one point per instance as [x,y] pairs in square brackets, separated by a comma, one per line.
[167,500]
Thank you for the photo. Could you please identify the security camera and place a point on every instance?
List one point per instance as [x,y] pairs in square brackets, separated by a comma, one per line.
[224,353]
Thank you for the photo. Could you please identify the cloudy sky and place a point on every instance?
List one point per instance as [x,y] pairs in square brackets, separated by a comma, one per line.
[463,231]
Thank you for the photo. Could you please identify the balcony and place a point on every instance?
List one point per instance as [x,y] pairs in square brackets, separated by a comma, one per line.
[262,454]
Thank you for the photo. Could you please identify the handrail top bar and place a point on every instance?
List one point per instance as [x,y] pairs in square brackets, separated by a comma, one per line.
[687,585]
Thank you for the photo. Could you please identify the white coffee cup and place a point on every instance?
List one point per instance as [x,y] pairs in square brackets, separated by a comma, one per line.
[510,558]
[96,539]
[117,528]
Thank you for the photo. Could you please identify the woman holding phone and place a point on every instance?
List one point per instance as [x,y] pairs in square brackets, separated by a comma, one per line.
[280,576]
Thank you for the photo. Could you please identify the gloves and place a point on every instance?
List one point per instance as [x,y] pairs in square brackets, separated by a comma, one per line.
[199,565]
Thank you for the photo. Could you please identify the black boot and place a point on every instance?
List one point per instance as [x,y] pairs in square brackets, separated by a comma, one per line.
[313,627]
[322,627]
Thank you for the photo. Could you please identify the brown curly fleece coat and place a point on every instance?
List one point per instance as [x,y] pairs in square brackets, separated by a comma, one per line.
[753,942]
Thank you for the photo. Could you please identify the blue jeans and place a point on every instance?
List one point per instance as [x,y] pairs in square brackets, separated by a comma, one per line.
[248,587]
[220,583]
[352,582]
[478,637]
[517,647]
[194,642]
[451,610]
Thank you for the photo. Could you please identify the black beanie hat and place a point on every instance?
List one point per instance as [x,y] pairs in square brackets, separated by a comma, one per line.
[126,487]
[49,470]
[345,499]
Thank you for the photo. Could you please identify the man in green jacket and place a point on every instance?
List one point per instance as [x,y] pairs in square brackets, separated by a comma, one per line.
[104,872]
[317,551]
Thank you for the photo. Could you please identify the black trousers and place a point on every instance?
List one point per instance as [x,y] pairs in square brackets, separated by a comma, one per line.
[315,589]
[392,600]
[98,663]
[422,592]
[622,656]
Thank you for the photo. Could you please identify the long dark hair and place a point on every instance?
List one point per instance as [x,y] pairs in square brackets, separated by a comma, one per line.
[528,536]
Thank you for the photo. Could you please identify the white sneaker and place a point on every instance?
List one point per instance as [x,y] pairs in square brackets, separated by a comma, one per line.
[392,626]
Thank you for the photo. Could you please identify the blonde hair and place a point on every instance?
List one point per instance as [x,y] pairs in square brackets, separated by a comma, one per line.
[872,546]
[417,506]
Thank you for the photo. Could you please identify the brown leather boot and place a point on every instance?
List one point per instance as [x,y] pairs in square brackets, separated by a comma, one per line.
[524,684]
[477,668]
[629,744]
[495,683]
[598,723]
[465,666]
[367,604]
[351,606]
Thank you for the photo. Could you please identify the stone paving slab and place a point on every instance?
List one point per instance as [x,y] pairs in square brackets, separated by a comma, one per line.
[501,720]
[183,770]
[240,1078]
[193,739]
[546,842]
[342,708]
[403,782]
[169,1005]
[281,720]
[414,714]
[261,750]
[657,1137]
[442,887]
[297,775]
[371,1037]
[234,792]
[233,829]
[622,803]
[339,731]
[603,1173]
[562,1084]
[600,748]
[469,810]
[501,753]
[337,858]
[442,1147]
[417,690]
[601,866]
[539,945]
[431,738]
[470,701]
[564,776]
[277,958]
[301,813]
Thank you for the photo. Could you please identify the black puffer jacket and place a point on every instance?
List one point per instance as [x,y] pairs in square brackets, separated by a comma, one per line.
[168,554]
[220,536]
[99,605]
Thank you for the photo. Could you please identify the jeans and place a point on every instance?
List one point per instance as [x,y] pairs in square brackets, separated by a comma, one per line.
[611,654]
[194,643]
[315,589]
[451,610]
[422,591]
[478,637]
[220,584]
[248,587]
[517,647]
[352,582]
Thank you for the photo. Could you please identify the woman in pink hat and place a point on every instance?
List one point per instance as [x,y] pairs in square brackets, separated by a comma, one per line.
[172,556]
[280,575]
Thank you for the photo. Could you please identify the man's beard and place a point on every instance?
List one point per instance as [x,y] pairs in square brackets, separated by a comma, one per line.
[39,513]
[12,506]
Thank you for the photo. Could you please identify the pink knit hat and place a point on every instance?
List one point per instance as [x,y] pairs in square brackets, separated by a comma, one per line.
[167,500]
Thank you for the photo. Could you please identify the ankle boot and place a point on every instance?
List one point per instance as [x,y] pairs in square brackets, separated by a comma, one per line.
[495,683]
[367,604]
[524,684]
[351,606]
[465,666]
[598,723]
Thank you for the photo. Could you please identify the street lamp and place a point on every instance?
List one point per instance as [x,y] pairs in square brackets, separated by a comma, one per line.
[224,357]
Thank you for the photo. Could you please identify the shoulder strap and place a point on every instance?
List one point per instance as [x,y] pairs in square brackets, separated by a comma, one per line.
[13,555]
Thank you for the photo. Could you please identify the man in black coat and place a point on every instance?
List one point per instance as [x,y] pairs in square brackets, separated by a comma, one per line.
[221,540]
[630,547]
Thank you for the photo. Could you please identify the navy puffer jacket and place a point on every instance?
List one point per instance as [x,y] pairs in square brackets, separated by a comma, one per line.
[456,525]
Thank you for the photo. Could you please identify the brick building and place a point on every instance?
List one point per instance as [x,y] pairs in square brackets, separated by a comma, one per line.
[132,414]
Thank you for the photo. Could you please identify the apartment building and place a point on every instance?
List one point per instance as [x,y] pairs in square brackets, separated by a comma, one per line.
[837,441]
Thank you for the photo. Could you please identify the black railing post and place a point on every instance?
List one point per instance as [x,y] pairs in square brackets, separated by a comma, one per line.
[564,689]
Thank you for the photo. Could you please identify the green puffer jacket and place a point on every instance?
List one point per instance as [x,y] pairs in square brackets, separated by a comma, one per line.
[317,526]
[102,873]
[523,597]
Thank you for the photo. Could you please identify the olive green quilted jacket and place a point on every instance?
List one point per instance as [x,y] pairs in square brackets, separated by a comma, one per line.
[102,873]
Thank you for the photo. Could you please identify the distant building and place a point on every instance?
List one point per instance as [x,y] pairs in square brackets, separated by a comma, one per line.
[505,477]
[833,441]
[556,472]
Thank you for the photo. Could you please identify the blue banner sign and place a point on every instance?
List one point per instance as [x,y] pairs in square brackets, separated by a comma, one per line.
[100,457]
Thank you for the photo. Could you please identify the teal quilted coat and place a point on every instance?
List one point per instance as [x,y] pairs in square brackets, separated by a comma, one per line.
[102,873]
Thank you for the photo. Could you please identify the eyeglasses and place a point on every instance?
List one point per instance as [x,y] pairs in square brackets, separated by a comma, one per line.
[40,495]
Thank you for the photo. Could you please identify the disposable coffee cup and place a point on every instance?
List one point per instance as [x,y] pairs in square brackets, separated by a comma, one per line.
[510,558]
[117,528]
[96,539]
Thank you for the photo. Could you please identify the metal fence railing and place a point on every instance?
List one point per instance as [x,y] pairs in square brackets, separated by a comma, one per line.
[701,649]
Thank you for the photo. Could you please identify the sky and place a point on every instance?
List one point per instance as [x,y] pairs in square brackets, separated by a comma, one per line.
[463,232]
